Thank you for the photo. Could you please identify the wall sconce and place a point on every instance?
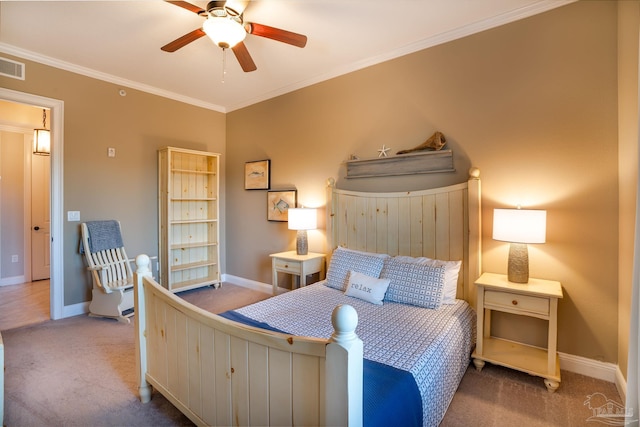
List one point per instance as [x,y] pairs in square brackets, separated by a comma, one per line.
[519,227]
[42,138]
[302,219]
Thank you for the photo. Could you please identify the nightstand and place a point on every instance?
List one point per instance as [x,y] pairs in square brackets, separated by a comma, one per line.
[298,265]
[538,298]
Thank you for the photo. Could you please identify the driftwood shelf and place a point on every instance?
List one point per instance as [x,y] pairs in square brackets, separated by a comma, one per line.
[403,164]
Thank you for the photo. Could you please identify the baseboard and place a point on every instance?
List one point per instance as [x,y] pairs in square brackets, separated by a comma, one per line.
[589,367]
[595,369]
[75,309]
[621,384]
[251,284]
[15,280]
[83,307]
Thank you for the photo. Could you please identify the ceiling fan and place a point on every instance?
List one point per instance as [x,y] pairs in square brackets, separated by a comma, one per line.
[226,27]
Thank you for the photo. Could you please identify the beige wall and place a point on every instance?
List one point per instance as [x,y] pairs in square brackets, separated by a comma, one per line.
[533,104]
[12,185]
[125,187]
[628,30]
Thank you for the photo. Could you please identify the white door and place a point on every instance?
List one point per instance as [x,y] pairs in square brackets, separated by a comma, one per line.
[40,222]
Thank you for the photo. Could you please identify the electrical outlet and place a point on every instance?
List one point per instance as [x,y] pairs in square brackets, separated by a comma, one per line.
[111,152]
[14,258]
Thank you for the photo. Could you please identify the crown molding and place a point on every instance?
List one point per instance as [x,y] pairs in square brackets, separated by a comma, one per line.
[88,72]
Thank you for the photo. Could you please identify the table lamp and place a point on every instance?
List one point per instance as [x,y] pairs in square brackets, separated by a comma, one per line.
[519,227]
[302,219]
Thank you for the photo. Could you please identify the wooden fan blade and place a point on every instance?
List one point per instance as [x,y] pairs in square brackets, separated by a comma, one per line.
[244,58]
[273,33]
[186,5]
[183,41]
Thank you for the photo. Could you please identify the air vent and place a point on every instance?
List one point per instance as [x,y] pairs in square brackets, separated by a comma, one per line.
[11,68]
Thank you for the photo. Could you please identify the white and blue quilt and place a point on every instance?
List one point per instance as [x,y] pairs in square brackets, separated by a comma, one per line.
[433,346]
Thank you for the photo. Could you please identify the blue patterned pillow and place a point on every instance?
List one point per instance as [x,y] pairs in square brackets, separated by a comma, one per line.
[415,284]
[451,273]
[345,260]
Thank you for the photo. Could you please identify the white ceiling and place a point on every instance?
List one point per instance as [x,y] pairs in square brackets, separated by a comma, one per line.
[119,41]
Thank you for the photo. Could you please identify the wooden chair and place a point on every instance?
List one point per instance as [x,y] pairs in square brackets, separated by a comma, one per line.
[112,293]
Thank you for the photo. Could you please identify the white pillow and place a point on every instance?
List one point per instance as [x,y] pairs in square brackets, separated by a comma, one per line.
[414,283]
[344,260]
[451,272]
[366,288]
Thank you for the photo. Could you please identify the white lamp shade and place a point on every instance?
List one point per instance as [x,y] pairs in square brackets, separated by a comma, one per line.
[520,225]
[224,31]
[303,219]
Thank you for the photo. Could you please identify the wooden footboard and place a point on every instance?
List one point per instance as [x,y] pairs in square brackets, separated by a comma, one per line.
[220,372]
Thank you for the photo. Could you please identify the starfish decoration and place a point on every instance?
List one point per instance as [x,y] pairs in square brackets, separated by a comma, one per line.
[383,151]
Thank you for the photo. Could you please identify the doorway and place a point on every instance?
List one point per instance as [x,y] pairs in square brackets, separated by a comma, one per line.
[56,108]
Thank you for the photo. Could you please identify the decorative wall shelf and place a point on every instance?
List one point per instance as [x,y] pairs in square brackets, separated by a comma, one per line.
[403,164]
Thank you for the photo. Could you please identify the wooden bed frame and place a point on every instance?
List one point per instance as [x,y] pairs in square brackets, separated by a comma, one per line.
[219,372]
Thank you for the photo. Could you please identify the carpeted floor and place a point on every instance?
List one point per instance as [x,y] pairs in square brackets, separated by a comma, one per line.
[80,371]
[498,396]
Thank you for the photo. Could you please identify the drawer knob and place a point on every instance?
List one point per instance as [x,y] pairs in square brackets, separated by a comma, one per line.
[286,266]
[514,302]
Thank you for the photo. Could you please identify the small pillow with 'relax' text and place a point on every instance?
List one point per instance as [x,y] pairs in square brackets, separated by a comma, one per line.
[366,288]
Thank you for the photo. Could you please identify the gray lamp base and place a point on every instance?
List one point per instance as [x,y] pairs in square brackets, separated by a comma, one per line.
[302,247]
[518,267]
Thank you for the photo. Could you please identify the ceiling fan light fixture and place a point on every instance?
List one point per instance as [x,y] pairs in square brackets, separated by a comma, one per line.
[225,31]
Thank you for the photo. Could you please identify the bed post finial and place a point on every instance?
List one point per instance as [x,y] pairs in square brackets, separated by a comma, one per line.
[343,392]
[143,265]
[474,173]
[344,320]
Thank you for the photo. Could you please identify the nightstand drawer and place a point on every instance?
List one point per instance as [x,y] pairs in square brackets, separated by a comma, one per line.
[288,266]
[517,302]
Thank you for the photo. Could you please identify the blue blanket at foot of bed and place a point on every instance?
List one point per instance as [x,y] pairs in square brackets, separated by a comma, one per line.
[390,395]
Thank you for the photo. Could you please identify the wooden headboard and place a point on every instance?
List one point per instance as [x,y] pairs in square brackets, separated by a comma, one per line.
[439,223]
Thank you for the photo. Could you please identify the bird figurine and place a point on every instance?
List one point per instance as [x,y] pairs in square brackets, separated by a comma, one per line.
[435,142]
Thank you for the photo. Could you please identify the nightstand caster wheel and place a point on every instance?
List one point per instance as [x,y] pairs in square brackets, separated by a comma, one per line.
[479,364]
[551,385]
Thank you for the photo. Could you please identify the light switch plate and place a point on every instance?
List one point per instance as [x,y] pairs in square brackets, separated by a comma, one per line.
[73,215]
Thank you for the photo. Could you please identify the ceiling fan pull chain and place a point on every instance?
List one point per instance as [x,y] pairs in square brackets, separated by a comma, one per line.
[224,63]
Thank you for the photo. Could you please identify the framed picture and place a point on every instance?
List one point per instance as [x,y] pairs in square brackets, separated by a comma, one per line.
[257,175]
[278,204]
